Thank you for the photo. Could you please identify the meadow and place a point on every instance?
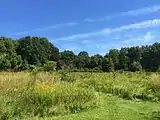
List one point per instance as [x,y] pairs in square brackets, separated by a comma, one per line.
[79,96]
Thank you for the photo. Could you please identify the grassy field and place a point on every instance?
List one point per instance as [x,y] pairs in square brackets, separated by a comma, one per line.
[79,96]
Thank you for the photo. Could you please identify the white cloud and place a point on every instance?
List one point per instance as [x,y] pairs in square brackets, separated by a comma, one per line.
[141,11]
[74,37]
[47,28]
[145,32]
[142,38]
[148,37]
[89,20]
[71,49]
[144,24]
[126,41]
[106,31]
[85,41]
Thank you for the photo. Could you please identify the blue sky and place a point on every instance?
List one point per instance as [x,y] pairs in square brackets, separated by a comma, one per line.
[92,25]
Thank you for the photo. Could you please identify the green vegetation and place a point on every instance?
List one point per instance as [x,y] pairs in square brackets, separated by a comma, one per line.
[37,81]
[28,53]
[79,96]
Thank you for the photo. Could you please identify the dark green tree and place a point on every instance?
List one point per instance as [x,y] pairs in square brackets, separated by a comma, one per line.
[8,57]
[151,57]
[135,66]
[36,50]
[123,59]
[67,59]
[96,62]
[82,60]
[134,54]
[29,52]
[107,65]
[114,55]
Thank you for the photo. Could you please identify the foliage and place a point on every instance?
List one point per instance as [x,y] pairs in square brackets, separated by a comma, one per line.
[50,66]
[125,85]
[48,100]
[66,76]
[8,56]
[135,66]
[18,55]
[45,94]
[114,55]
[151,57]
[36,50]
[108,65]
[67,59]
[155,115]
[123,59]
[40,98]
[82,60]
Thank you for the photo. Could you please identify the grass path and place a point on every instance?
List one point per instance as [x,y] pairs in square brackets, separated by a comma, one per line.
[114,108]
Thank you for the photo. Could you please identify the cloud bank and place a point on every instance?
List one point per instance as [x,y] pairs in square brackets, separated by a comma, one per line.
[47,28]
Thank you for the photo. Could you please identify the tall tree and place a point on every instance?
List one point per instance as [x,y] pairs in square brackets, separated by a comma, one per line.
[114,55]
[107,65]
[83,60]
[151,57]
[36,50]
[96,61]
[8,57]
[67,59]
[134,54]
[123,59]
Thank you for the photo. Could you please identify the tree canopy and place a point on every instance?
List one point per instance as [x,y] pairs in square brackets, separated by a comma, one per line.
[38,51]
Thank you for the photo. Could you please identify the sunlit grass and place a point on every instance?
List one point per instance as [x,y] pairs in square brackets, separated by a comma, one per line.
[99,96]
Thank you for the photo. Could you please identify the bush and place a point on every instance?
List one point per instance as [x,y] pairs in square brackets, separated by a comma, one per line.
[31,67]
[50,66]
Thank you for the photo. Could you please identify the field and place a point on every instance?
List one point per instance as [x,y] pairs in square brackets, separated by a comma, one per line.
[79,96]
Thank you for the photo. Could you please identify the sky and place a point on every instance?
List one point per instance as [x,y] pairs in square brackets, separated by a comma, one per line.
[94,26]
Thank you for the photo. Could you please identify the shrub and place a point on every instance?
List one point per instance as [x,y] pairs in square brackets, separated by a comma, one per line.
[31,67]
[50,66]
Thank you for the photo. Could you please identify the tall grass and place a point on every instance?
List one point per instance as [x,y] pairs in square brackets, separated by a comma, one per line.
[125,85]
[41,94]
[50,94]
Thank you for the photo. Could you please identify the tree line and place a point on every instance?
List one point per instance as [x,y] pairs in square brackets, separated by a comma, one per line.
[31,52]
